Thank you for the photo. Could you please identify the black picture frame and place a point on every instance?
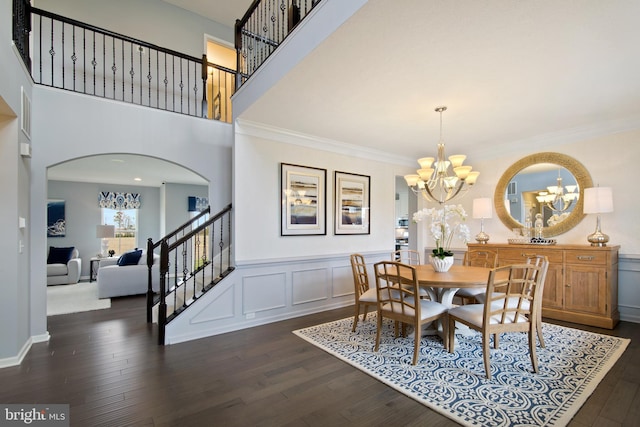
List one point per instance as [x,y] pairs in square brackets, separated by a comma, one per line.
[303,200]
[352,203]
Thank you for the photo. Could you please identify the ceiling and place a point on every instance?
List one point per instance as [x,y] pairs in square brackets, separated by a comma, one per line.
[510,72]
[124,169]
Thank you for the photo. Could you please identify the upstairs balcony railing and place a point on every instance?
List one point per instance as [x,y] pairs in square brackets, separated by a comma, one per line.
[79,57]
[261,30]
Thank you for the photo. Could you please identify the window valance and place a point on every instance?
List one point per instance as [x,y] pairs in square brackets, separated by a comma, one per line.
[114,200]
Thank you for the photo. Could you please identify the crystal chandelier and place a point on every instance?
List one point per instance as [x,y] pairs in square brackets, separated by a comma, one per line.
[556,199]
[435,179]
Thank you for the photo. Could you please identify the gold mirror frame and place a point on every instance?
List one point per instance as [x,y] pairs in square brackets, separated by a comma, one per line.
[576,168]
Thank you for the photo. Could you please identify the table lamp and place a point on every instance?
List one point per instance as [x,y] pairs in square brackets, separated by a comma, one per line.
[105,232]
[598,200]
[482,209]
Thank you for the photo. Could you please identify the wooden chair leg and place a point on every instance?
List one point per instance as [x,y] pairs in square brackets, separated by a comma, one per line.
[532,349]
[486,355]
[416,342]
[452,335]
[355,318]
[539,330]
[379,327]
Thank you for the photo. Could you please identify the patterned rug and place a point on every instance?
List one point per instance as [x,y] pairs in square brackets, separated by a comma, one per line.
[571,366]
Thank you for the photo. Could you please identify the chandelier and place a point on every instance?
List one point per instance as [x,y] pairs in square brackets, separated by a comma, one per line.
[556,199]
[440,180]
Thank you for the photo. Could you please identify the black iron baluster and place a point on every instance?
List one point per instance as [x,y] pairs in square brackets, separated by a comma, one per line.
[123,77]
[40,44]
[149,77]
[104,66]
[52,52]
[131,72]
[94,62]
[62,48]
[114,69]
[74,58]
[84,61]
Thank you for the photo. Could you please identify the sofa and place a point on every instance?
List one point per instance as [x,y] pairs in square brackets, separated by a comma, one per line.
[63,266]
[121,277]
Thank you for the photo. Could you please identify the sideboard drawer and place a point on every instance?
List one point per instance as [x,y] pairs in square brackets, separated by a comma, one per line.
[586,257]
[512,255]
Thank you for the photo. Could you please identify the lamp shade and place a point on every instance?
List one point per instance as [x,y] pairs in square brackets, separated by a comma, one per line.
[598,200]
[482,208]
[105,231]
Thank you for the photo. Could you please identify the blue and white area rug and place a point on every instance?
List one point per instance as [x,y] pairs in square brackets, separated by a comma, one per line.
[571,366]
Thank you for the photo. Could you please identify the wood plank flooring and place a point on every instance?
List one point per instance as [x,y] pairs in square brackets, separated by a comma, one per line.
[107,366]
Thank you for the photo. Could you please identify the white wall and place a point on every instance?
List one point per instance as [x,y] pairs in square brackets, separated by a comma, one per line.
[152,21]
[68,126]
[15,335]
[257,198]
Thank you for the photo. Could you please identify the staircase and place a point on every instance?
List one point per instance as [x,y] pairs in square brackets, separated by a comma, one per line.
[193,259]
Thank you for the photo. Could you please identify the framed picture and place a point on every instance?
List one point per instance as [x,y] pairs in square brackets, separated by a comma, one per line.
[303,204]
[352,208]
[56,224]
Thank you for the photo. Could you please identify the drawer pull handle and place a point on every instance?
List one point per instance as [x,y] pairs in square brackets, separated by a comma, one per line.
[528,255]
[585,257]
[568,285]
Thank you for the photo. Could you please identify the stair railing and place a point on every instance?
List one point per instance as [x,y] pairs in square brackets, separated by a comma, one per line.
[193,259]
[261,30]
[75,56]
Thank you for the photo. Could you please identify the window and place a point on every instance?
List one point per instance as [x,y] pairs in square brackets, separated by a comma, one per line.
[126,226]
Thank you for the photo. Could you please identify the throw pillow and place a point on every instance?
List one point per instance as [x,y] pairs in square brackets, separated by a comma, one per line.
[130,258]
[59,255]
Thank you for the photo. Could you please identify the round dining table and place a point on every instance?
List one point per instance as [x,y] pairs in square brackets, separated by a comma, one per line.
[442,287]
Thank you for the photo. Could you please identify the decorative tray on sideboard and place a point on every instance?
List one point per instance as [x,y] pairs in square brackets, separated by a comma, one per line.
[532,241]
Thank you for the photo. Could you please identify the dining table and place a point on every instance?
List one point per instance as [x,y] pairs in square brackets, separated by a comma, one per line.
[442,287]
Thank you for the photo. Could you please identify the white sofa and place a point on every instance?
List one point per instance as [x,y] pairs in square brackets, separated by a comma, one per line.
[115,281]
[64,273]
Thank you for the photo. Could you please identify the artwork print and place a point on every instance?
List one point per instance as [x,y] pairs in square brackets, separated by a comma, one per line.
[56,224]
[352,208]
[303,200]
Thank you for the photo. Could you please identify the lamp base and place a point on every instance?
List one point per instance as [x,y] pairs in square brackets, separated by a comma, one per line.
[104,247]
[598,238]
[482,237]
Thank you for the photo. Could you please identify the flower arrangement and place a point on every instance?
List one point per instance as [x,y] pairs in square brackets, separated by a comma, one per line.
[446,222]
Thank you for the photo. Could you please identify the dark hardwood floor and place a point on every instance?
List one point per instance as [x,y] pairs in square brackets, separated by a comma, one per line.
[107,366]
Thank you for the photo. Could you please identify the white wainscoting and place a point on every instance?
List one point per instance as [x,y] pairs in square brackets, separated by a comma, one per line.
[629,288]
[262,292]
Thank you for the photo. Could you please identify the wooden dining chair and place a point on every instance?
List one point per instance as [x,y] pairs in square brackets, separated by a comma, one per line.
[406,306]
[409,257]
[364,294]
[406,256]
[513,293]
[487,258]
[543,262]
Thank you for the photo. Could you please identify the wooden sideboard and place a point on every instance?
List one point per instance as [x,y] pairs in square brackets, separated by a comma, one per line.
[582,281]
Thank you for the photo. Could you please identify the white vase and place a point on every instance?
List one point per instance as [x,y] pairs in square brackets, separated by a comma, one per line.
[441,265]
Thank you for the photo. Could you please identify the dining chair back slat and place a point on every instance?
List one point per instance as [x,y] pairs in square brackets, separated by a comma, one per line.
[406,256]
[486,258]
[513,298]
[365,295]
[399,299]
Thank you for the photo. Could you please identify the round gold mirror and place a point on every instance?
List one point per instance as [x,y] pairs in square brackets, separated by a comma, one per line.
[562,172]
